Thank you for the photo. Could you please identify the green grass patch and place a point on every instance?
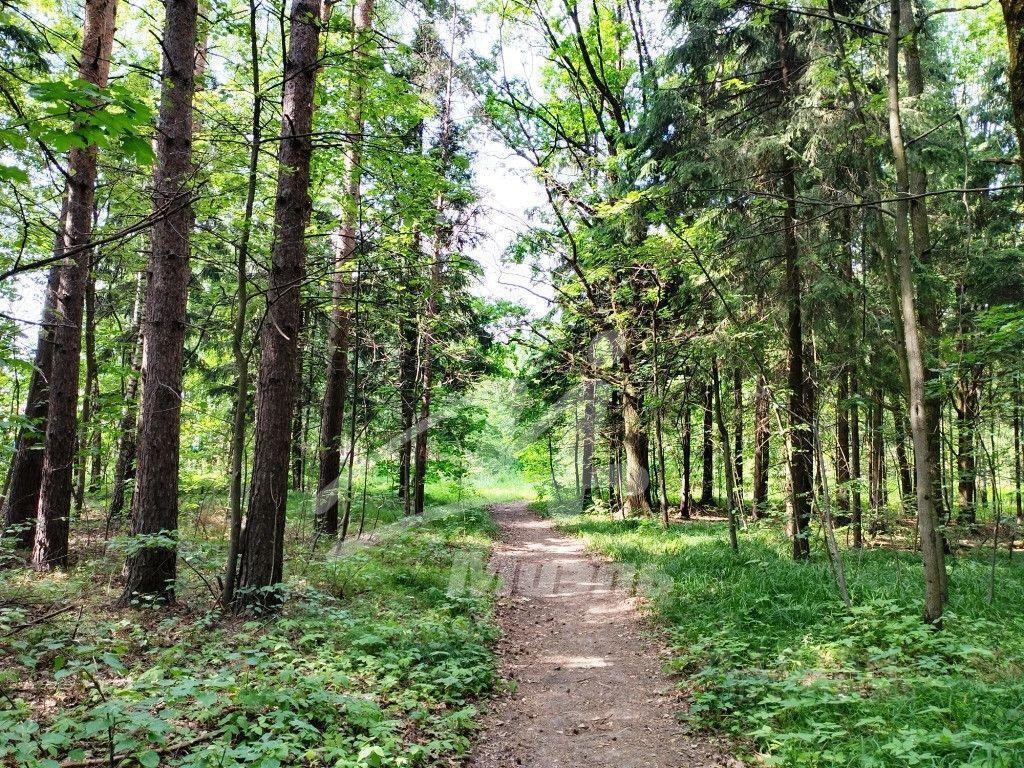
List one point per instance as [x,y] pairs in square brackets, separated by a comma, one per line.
[371,663]
[771,657]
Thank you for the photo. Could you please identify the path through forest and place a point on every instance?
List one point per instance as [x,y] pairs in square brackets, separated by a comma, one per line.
[590,690]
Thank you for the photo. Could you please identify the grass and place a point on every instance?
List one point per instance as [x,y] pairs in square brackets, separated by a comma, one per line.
[771,658]
[372,662]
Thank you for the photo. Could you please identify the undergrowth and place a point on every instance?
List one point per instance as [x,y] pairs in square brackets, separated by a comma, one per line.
[771,657]
[371,663]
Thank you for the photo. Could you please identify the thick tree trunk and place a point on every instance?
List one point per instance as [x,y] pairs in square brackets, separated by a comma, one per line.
[762,455]
[1013,15]
[124,467]
[152,569]
[587,474]
[928,522]
[26,470]
[50,548]
[262,541]
[707,483]
[635,444]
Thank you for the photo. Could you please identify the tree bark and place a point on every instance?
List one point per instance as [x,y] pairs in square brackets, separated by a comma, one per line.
[707,484]
[635,443]
[407,406]
[762,455]
[50,549]
[26,470]
[686,494]
[967,402]
[928,525]
[152,568]
[587,473]
[856,510]
[876,456]
[332,411]
[731,493]
[262,540]
[737,427]
[90,393]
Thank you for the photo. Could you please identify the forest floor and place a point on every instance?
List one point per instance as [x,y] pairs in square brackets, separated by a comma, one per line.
[587,672]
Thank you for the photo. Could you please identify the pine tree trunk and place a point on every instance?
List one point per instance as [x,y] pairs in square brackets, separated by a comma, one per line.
[906,473]
[89,398]
[843,447]
[876,458]
[613,426]
[967,402]
[50,549]
[856,510]
[762,455]
[407,405]
[152,569]
[26,470]
[262,540]
[737,427]
[635,443]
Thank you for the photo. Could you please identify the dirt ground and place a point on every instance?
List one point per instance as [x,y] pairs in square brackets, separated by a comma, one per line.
[589,687]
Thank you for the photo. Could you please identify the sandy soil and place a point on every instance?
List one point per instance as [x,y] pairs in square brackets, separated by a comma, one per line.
[589,687]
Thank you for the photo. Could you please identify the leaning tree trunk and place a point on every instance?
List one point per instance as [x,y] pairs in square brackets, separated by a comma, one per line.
[50,549]
[928,524]
[262,541]
[152,569]
[332,411]
[26,469]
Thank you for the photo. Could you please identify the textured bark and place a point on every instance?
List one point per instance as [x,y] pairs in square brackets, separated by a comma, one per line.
[1018,480]
[843,447]
[50,549]
[927,517]
[332,410]
[90,395]
[762,456]
[737,427]
[152,569]
[731,492]
[636,445]
[613,427]
[262,541]
[801,464]
[876,457]
[26,470]
[124,467]
[588,475]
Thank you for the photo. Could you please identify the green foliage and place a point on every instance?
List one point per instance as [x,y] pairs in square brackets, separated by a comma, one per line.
[769,656]
[373,663]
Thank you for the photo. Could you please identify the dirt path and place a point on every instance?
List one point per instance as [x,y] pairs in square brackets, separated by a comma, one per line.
[590,691]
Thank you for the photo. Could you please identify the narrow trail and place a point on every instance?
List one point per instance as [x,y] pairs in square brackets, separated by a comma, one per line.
[589,687]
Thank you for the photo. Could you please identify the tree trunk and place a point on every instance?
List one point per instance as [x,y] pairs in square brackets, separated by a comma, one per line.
[50,549]
[906,478]
[762,455]
[407,398]
[124,467]
[332,412]
[613,426]
[89,396]
[686,494]
[240,406]
[876,457]
[843,447]
[587,473]
[426,385]
[152,569]
[731,493]
[967,402]
[928,526]
[707,484]
[737,428]
[262,540]
[856,510]
[801,464]
[26,470]
[635,443]
[1017,479]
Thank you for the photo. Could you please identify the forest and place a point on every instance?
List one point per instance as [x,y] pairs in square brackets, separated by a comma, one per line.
[322,320]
